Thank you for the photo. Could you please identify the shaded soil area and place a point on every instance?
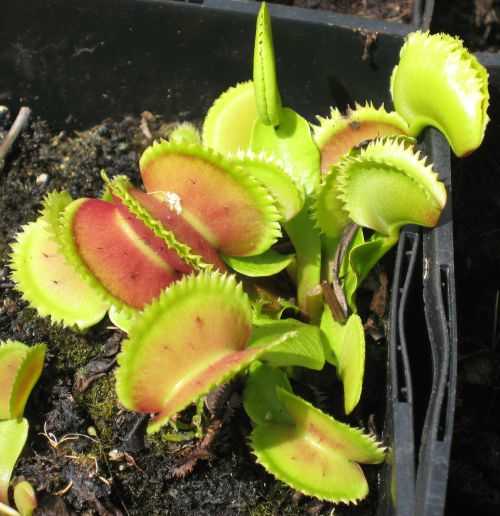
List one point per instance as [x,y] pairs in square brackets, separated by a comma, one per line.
[475,459]
[389,10]
[476,22]
[85,453]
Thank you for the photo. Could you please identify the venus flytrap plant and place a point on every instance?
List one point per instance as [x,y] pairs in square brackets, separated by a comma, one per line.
[20,368]
[160,260]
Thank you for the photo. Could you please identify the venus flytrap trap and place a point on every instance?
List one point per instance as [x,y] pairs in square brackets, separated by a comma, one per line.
[20,368]
[161,260]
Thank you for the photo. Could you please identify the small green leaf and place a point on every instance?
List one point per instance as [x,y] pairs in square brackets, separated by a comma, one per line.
[123,319]
[184,344]
[317,455]
[294,343]
[439,83]
[260,400]
[185,133]
[13,435]
[361,258]
[271,174]
[267,95]
[21,367]
[228,124]
[293,144]
[265,264]
[25,498]
[345,345]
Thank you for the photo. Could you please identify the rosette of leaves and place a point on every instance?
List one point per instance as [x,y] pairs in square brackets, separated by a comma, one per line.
[215,202]
[20,368]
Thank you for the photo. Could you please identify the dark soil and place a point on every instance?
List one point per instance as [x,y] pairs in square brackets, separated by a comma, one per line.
[85,453]
[389,10]
[476,22]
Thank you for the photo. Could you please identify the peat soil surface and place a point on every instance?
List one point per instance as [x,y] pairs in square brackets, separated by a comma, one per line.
[85,453]
[477,22]
[390,10]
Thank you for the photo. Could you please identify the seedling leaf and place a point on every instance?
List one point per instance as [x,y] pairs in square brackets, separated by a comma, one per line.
[267,97]
[228,124]
[317,455]
[185,343]
[21,367]
[229,208]
[13,434]
[439,83]
[48,282]
[25,498]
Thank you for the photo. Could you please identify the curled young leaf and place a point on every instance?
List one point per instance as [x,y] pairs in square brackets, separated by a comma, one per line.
[316,455]
[346,343]
[267,95]
[439,83]
[293,144]
[228,124]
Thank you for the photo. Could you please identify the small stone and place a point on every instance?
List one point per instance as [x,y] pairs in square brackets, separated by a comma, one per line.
[42,179]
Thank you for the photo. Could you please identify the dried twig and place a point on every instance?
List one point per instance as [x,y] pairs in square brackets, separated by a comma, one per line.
[14,131]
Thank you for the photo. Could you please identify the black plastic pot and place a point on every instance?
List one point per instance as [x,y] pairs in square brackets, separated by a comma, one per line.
[76,62]
[421,15]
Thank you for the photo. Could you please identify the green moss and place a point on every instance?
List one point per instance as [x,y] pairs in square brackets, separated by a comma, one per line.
[276,500]
[101,403]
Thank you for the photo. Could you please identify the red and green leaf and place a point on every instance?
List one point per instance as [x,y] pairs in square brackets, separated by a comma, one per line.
[316,455]
[338,134]
[235,214]
[191,339]
[184,247]
[121,258]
